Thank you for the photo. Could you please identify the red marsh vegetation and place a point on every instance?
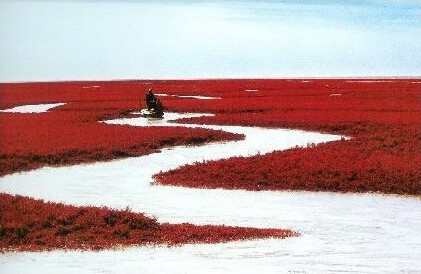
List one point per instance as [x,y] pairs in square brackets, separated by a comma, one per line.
[383,117]
[71,134]
[58,226]
[30,141]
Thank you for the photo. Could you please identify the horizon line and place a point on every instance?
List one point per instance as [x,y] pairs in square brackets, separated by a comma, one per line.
[220,79]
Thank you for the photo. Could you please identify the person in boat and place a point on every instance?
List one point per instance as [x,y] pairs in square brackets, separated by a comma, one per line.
[150,99]
[159,108]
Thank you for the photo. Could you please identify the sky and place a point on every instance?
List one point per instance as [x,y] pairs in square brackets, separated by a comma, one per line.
[46,40]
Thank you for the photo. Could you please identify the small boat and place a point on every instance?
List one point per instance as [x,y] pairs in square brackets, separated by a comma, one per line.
[151,113]
[154,109]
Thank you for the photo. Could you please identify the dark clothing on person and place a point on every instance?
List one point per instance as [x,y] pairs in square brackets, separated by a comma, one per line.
[155,106]
[159,108]
[150,100]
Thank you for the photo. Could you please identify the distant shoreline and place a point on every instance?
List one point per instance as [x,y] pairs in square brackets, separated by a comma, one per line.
[365,78]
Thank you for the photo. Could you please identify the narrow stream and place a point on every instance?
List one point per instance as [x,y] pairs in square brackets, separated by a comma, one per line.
[340,232]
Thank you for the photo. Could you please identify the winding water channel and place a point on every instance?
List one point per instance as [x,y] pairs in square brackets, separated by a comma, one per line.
[340,232]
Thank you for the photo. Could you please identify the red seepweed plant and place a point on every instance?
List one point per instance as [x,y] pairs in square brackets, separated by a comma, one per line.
[32,225]
[382,117]
[73,134]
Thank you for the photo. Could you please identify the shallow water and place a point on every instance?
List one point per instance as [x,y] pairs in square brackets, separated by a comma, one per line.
[340,232]
[39,108]
[189,96]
